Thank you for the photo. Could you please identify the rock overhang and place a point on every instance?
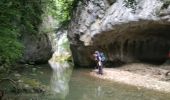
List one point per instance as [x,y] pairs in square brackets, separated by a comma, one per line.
[124,33]
[134,30]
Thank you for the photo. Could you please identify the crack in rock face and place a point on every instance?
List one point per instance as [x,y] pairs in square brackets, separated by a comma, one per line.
[125,30]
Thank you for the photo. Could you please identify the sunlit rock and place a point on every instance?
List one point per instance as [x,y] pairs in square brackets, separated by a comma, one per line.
[61,66]
[125,30]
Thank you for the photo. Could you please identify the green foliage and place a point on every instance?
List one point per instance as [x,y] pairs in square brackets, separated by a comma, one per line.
[20,17]
[166,4]
[31,16]
[17,17]
[131,4]
[66,46]
[60,9]
[10,48]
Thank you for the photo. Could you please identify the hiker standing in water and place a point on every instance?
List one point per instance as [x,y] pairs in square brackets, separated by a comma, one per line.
[98,58]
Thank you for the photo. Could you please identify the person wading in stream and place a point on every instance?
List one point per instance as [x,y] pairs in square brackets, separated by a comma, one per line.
[98,58]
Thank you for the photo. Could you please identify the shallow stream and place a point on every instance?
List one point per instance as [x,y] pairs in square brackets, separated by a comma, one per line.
[82,86]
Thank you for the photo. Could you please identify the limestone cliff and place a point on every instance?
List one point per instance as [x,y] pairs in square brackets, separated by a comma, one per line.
[37,49]
[126,30]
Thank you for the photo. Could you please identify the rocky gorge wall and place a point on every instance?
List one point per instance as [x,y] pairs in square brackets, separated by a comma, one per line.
[125,30]
[40,47]
[37,49]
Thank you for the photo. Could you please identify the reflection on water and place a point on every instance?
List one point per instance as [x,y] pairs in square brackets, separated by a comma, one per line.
[85,87]
[60,78]
[98,91]
[61,68]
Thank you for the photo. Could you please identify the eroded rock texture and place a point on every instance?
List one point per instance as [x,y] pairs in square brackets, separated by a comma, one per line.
[37,49]
[126,30]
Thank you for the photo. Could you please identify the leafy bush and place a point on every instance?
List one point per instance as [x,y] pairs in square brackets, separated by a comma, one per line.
[60,9]
[17,17]
[20,17]
[10,48]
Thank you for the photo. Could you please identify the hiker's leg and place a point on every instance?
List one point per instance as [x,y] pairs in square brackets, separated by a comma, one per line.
[100,69]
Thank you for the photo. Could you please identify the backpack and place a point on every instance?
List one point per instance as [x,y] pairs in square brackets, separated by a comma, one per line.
[103,58]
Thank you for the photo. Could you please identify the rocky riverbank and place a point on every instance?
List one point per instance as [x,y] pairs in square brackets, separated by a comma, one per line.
[155,77]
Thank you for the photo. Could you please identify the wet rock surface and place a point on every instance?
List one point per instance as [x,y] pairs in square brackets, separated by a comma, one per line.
[124,30]
[25,81]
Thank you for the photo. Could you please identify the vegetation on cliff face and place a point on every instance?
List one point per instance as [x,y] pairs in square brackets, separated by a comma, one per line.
[130,4]
[20,17]
[10,48]
[60,9]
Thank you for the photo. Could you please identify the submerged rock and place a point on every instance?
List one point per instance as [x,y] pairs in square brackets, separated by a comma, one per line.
[125,30]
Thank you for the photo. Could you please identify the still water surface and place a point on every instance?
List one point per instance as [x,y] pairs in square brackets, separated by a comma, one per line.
[82,86]
[85,87]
